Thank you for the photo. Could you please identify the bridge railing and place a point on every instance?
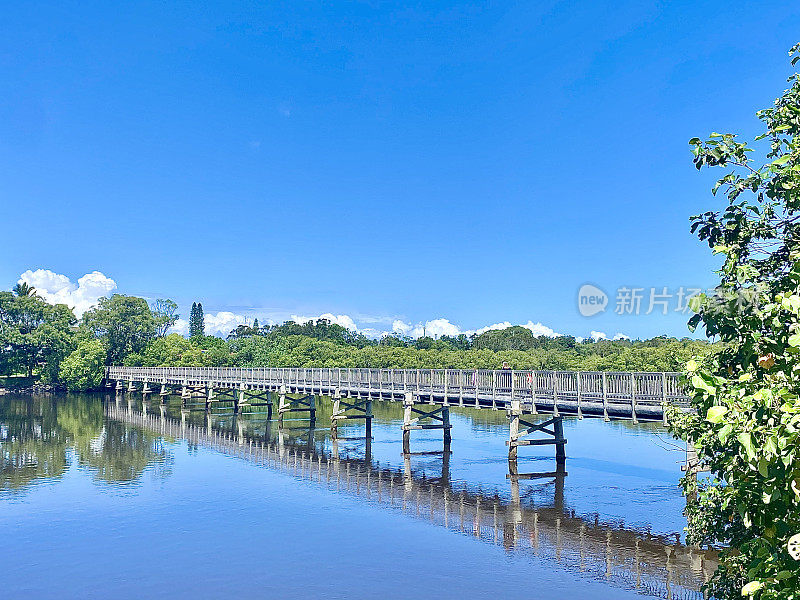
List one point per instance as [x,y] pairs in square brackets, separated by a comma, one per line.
[644,388]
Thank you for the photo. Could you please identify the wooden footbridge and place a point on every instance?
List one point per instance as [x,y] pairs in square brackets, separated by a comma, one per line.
[427,395]
[654,565]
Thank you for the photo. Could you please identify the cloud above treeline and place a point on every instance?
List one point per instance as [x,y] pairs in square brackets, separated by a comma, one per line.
[82,295]
[440,327]
[59,289]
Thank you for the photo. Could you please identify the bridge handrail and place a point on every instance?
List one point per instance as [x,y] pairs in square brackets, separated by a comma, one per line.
[645,387]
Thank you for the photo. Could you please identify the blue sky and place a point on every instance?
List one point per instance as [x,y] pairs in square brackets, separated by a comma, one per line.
[382,162]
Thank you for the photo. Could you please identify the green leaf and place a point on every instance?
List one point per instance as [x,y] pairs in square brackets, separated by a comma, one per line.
[746,440]
[751,588]
[716,414]
[700,383]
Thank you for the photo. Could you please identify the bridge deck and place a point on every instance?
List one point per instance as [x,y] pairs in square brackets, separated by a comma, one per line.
[641,395]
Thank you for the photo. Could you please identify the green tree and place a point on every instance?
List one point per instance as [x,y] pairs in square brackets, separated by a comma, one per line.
[510,338]
[125,325]
[197,327]
[747,421]
[193,320]
[165,312]
[23,289]
[34,334]
[83,369]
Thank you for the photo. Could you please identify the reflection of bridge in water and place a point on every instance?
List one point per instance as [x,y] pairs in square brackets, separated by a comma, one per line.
[654,565]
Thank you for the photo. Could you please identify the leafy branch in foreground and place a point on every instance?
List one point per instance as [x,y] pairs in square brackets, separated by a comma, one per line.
[747,425]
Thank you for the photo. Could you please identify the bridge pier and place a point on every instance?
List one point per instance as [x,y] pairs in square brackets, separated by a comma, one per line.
[362,410]
[190,392]
[245,398]
[306,404]
[239,400]
[146,389]
[209,396]
[165,392]
[554,436]
[440,414]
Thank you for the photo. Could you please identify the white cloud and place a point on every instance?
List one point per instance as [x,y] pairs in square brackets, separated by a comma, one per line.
[503,325]
[434,328]
[401,327]
[536,328]
[181,326]
[441,326]
[601,335]
[58,289]
[540,329]
[223,322]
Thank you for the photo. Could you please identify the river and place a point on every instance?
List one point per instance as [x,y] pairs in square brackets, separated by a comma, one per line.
[103,497]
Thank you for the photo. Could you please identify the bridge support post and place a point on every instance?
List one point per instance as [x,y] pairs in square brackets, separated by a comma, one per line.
[145,390]
[440,414]
[307,404]
[516,437]
[119,386]
[362,409]
[131,386]
[164,393]
[514,414]
[337,396]
[446,423]
[209,396]
[238,399]
[408,406]
[246,397]
[560,441]
[368,422]
[282,406]
[692,467]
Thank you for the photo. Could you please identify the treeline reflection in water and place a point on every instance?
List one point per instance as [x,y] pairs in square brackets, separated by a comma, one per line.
[120,439]
[40,437]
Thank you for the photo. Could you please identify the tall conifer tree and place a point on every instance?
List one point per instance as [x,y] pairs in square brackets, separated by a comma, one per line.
[201,325]
[193,320]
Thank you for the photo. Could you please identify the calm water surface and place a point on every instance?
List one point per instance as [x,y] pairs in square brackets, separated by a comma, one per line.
[103,498]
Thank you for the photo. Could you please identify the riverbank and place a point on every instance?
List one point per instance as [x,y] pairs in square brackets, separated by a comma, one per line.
[22,384]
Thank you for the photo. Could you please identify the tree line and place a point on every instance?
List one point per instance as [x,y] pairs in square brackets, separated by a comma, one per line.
[49,342]
[320,343]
